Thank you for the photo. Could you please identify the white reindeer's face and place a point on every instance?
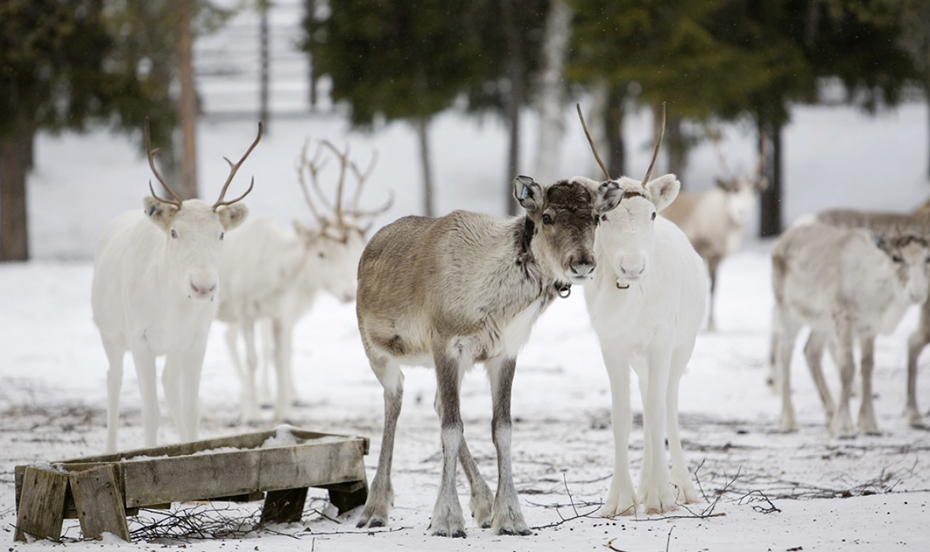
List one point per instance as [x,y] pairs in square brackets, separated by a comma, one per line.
[194,239]
[741,195]
[333,257]
[910,259]
[626,234]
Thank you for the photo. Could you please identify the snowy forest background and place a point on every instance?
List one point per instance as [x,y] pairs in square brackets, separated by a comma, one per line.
[456,97]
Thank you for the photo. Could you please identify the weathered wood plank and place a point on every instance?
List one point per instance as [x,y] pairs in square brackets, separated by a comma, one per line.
[284,506]
[42,506]
[99,502]
[310,466]
[241,472]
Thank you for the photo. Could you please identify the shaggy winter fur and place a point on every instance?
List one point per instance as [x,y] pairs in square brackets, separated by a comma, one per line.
[465,288]
[647,304]
[715,222]
[273,274]
[844,283]
[918,224]
[155,281]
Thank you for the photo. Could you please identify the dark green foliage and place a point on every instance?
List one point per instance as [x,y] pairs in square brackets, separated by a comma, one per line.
[61,67]
[397,58]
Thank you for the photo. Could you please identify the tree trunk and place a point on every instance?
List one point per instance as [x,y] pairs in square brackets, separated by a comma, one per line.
[422,125]
[613,120]
[770,221]
[187,108]
[552,88]
[310,7]
[14,230]
[265,61]
[677,148]
[514,100]
[927,96]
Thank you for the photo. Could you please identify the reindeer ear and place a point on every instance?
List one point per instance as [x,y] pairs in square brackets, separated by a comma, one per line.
[762,184]
[233,215]
[664,190]
[159,213]
[528,193]
[607,196]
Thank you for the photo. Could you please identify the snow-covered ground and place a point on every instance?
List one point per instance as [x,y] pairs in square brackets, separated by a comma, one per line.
[53,370]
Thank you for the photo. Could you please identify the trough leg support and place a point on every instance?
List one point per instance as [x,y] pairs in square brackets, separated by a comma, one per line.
[285,506]
[99,503]
[41,505]
[346,496]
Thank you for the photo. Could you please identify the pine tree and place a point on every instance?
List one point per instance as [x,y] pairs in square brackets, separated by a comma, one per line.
[396,60]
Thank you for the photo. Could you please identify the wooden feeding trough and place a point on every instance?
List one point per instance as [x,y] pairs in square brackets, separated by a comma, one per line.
[278,466]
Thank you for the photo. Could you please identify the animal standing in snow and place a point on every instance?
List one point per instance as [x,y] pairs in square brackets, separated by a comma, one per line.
[919,339]
[845,283]
[272,274]
[155,280]
[647,303]
[464,288]
[715,220]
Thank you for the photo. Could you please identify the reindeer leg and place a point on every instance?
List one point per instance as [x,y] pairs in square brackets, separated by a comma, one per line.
[915,344]
[482,500]
[813,352]
[116,353]
[712,264]
[381,494]
[787,334]
[249,406]
[192,368]
[654,492]
[681,478]
[145,370]
[508,518]
[621,498]
[447,514]
[841,424]
[282,352]
[867,423]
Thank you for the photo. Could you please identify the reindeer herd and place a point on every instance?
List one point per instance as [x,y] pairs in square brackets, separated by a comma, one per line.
[467,288]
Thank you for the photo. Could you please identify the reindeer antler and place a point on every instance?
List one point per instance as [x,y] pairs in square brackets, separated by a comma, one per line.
[340,188]
[175,198]
[721,158]
[591,142]
[655,153]
[313,168]
[233,168]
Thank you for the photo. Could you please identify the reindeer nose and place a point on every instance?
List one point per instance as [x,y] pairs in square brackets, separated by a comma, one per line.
[633,269]
[203,289]
[583,267]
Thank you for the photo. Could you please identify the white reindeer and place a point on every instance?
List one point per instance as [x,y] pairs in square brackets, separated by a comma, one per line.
[647,304]
[461,289]
[155,280]
[715,220]
[845,283]
[272,274]
[883,222]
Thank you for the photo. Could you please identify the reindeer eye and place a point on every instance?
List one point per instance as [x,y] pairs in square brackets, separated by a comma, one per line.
[174,234]
[222,234]
[546,219]
[653,215]
[604,218]
[322,255]
[897,258]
